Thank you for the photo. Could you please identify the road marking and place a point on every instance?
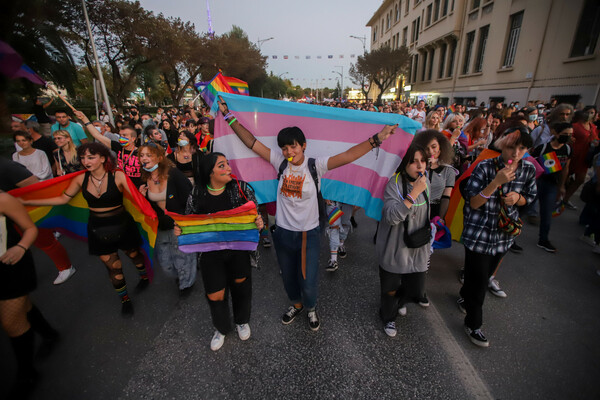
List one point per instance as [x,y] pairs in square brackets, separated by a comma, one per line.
[460,362]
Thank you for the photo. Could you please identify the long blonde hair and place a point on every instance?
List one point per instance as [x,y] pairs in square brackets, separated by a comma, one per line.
[70,146]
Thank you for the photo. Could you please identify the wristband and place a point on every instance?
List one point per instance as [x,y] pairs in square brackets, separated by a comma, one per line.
[484,196]
[376,140]
[87,123]
[372,143]
[23,247]
[232,121]
[226,117]
[410,198]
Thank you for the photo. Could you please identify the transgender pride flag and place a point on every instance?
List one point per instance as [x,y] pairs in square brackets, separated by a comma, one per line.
[328,131]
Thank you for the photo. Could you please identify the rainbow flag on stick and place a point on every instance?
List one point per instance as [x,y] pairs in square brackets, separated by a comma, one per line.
[329,131]
[237,85]
[71,218]
[550,162]
[215,85]
[233,229]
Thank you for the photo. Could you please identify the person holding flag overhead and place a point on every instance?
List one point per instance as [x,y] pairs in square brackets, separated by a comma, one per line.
[297,234]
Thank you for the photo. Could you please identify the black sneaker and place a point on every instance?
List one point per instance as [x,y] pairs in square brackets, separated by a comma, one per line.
[477,337]
[313,320]
[332,266]
[342,252]
[515,248]
[423,301]
[291,314]
[353,222]
[461,305]
[546,245]
[266,242]
[142,285]
[127,308]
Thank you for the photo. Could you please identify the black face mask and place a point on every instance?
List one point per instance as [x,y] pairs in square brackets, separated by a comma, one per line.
[139,131]
[562,139]
[134,113]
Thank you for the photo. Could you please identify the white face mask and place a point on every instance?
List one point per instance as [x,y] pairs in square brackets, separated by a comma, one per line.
[182,142]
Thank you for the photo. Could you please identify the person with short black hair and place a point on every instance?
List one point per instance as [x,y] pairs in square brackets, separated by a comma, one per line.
[75,130]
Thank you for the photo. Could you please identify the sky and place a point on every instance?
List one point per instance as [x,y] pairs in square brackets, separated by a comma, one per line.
[299,28]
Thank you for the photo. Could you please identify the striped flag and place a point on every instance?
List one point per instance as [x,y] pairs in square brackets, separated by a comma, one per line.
[328,131]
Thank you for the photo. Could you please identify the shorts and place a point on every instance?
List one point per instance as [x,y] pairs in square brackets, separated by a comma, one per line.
[110,231]
[18,280]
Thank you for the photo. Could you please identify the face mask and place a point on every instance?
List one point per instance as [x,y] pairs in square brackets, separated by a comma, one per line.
[123,141]
[182,142]
[591,117]
[562,139]
[146,122]
[533,117]
[139,131]
[151,168]
[134,113]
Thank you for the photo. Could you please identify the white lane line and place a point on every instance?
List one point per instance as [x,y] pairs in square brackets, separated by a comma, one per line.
[459,361]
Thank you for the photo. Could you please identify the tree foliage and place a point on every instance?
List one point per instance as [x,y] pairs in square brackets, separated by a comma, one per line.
[381,66]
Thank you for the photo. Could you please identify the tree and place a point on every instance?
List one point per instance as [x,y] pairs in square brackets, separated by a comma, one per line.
[382,67]
[126,38]
[359,78]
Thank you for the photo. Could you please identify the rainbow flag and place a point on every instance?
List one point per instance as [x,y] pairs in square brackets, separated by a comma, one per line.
[215,85]
[233,229]
[329,131]
[71,218]
[550,162]
[29,74]
[237,85]
[334,215]
[454,215]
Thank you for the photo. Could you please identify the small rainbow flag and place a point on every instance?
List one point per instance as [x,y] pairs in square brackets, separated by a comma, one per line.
[215,85]
[334,215]
[550,162]
[71,218]
[237,85]
[233,229]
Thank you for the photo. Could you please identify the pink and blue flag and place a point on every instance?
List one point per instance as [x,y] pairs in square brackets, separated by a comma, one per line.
[328,131]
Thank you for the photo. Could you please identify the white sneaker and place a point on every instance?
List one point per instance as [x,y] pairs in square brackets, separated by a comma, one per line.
[217,341]
[589,240]
[494,287]
[402,311]
[243,331]
[390,329]
[63,276]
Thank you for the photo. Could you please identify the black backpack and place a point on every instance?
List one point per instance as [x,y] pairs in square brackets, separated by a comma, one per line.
[312,167]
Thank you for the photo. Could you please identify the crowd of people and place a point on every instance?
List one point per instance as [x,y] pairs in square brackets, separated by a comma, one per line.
[169,158]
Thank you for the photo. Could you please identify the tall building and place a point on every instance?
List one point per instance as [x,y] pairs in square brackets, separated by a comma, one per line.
[494,50]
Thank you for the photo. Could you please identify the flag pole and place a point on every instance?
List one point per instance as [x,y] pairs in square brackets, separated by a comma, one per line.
[100,76]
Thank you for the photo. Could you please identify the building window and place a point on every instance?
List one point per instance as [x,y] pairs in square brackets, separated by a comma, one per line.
[451,59]
[513,39]
[445,7]
[436,10]
[397,13]
[418,28]
[414,31]
[475,4]
[483,36]
[374,34]
[586,36]
[415,68]
[468,50]
[424,69]
[428,17]
[387,22]
[407,6]
[430,66]
[410,69]
[443,50]
[404,35]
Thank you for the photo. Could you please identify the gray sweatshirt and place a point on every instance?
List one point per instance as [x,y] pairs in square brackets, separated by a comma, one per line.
[392,253]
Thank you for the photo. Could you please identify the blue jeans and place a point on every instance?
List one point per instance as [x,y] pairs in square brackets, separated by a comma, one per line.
[174,262]
[546,195]
[298,257]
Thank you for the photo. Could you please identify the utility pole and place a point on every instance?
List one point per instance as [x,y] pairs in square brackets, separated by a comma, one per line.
[342,82]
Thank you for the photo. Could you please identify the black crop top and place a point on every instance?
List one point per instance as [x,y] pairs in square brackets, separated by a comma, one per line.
[111,198]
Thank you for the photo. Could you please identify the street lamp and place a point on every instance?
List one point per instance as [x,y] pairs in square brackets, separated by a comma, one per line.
[280,75]
[341,76]
[363,39]
[261,41]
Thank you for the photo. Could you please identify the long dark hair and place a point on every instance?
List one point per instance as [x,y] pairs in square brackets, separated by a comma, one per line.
[205,168]
[423,138]
[409,157]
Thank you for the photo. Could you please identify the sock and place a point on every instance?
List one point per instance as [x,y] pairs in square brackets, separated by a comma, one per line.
[491,278]
[333,255]
[142,271]
[40,325]
[122,292]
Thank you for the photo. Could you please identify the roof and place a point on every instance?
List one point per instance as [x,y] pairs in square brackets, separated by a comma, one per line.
[384,5]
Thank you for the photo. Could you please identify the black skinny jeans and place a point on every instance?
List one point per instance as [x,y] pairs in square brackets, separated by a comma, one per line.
[478,269]
[220,269]
[407,288]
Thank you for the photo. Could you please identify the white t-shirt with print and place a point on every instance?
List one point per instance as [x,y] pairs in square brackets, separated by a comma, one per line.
[418,116]
[297,205]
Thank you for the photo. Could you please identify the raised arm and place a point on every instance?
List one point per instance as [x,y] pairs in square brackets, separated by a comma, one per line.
[244,134]
[92,129]
[361,149]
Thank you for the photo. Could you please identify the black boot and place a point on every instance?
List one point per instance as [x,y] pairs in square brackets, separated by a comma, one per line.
[26,374]
[40,325]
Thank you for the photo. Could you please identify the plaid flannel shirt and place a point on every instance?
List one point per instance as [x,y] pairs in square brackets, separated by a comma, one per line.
[480,232]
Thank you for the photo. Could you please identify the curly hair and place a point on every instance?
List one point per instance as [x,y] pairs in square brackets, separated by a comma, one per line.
[423,138]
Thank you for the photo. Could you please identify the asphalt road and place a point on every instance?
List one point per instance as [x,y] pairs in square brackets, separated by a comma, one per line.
[543,336]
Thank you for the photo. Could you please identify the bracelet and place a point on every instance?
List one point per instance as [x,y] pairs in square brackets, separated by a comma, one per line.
[410,198]
[372,143]
[23,247]
[484,196]
[517,203]
[229,115]
[68,195]
[376,140]
[87,123]
[232,121]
